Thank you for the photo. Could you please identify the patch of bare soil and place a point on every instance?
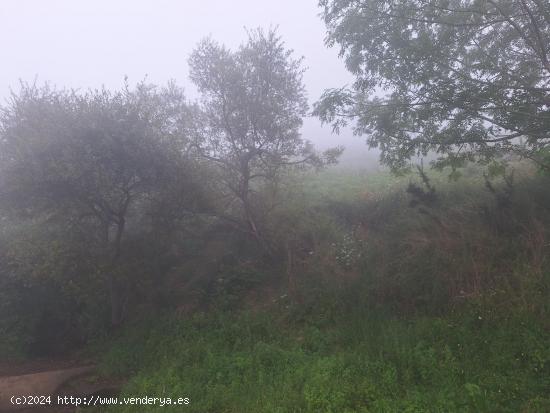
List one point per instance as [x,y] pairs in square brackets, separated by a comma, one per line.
[51,377]
[19,368]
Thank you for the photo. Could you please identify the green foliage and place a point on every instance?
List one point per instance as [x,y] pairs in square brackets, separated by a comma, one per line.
[442,308]
[50,291]
[460,79]
[362,361]
[103,173]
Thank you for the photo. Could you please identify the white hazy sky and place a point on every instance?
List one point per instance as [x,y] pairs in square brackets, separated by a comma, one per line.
[89,43]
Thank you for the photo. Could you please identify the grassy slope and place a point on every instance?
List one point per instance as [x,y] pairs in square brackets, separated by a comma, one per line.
[354,362]
[338,353]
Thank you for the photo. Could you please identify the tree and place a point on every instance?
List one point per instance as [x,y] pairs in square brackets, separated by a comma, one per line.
[97,161]
[467,79]
[253,102]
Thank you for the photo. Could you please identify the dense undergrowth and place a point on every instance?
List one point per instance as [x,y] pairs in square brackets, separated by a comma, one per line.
[339,358]
[412,304]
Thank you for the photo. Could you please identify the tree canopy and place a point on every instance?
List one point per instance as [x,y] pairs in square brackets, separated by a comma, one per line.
[467,79]
[100,161]
[253,102]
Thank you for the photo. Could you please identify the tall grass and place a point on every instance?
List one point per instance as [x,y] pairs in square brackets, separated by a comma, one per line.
[338,356]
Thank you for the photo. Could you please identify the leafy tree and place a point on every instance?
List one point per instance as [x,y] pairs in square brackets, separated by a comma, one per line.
[468,79]
[96,162]
[253,102]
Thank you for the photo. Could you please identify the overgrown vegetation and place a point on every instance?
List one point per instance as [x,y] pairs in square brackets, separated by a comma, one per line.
[437,310]
[339,359]
[206,250]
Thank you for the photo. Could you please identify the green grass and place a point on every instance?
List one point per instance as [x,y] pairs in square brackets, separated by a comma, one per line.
[350,186]
[339,359]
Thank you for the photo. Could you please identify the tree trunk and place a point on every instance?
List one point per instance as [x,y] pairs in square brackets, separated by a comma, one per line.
[245,198]
[114,285]
[116,301]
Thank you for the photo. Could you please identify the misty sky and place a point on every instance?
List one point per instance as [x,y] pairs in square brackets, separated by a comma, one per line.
[89,43]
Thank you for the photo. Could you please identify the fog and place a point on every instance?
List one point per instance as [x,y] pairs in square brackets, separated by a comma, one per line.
[87,44]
